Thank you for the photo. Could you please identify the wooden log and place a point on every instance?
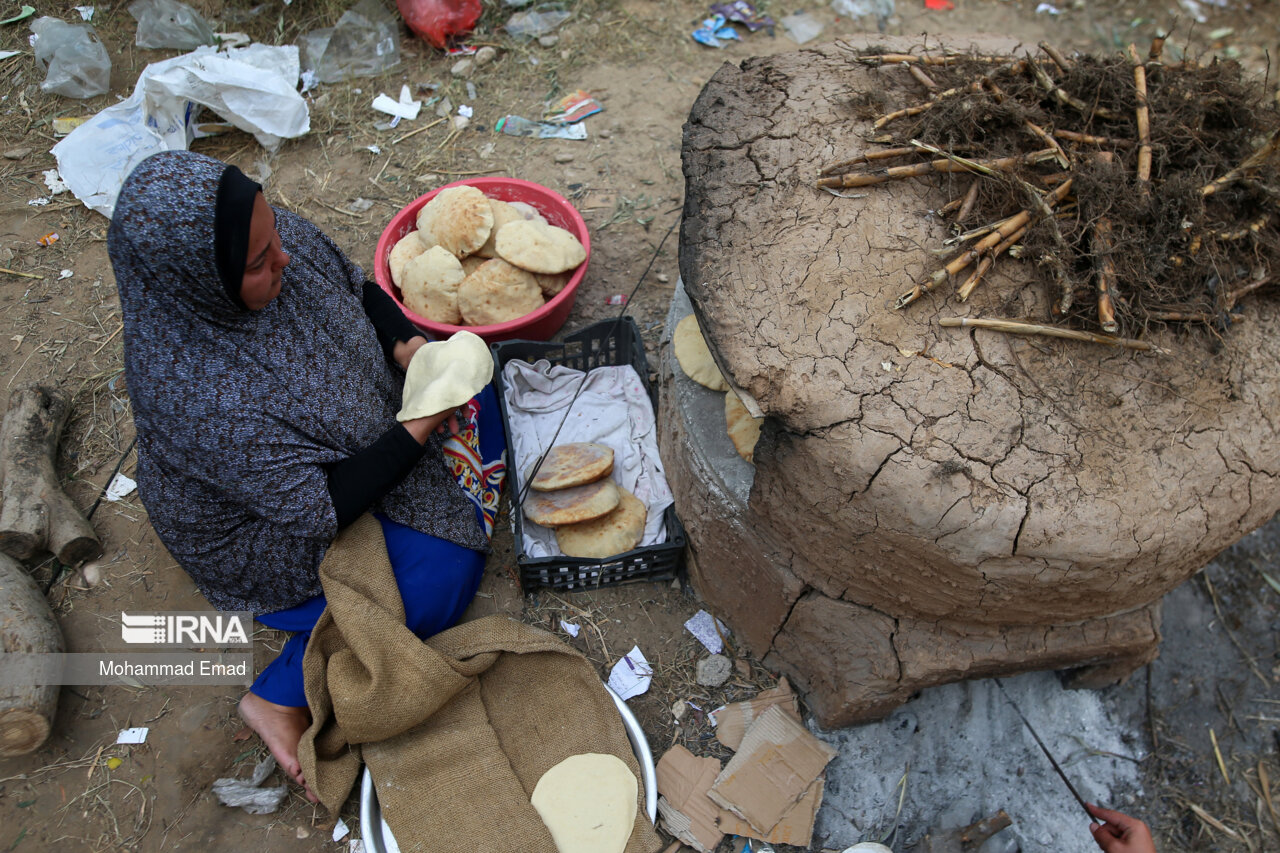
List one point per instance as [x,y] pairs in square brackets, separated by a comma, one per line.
[27,626]
[37,514]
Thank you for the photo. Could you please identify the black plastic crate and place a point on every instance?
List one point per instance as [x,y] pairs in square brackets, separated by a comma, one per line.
[604,344]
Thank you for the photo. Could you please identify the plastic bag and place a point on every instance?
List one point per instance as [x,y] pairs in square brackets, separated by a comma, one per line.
[168,23]
[537,22]
[254,88]
[76,64]
[364,42]
[437,21]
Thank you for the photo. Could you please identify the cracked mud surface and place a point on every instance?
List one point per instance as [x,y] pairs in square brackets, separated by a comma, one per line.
[996,479]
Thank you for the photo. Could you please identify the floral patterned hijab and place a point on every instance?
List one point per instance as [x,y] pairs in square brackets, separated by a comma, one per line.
[239,412]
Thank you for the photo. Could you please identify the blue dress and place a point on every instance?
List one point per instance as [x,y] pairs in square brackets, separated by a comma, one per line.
[437,579]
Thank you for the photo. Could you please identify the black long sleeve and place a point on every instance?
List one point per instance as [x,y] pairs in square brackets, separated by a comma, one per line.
[358,481]
[388,320]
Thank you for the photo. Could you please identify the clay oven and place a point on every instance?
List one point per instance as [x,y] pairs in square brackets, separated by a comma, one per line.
[929,504]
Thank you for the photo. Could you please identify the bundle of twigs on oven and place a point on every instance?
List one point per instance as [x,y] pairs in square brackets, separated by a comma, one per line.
[1145,191]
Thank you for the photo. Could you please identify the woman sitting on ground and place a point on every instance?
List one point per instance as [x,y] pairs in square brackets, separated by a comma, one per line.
[265,375]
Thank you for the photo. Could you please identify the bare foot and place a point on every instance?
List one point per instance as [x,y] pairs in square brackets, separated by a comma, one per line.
[281,728]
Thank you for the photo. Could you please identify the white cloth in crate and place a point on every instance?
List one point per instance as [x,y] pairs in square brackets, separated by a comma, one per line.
[613,409]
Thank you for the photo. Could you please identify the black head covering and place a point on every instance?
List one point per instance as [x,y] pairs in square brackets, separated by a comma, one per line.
[232,215]
[239,412]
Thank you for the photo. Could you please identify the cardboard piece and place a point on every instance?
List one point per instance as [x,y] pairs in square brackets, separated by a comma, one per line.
[686,811]
[776,763]
[795,827]
[732,721]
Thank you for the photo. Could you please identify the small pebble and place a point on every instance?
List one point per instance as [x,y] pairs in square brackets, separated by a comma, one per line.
[16,153]
[663,277]
[606,134]
[461,122]
[302,832]
[463,67]
[485,55]
[564,158]
[679,709]
[548,41]
[714,670]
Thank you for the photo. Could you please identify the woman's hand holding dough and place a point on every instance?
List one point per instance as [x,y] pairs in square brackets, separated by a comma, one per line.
[444,422]
[403,351]
[443,375]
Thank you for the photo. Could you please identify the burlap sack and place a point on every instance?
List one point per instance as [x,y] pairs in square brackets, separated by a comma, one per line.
[456,730]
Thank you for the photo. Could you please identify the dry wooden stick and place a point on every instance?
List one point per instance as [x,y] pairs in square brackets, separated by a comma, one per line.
[1047,83]
[1106,272]
[1144,118]
[886,154]
[1183,317]
[996,236]
[947,164]
[963,260]
[1240,233]
[1018,327]
[1090,139]
[1257,158]
[23,274]
[915,110]
[1239,293]
[1063,159]
[951,59]
[924,79]
[970,199]
[954,204]
[976,232]
[1058,59]
[1157,48]
[987,262]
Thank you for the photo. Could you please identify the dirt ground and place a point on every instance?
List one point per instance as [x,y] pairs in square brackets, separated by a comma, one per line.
[637,57]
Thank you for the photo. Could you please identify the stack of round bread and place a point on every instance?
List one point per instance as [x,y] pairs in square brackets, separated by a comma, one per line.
[477,261]
[592,516]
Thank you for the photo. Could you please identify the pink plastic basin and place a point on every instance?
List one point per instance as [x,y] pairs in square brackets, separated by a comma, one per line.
[537,325]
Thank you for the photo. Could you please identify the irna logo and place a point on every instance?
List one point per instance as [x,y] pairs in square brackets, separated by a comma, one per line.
[185,629]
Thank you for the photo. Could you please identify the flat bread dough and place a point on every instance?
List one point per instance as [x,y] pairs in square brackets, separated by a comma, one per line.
[615,532]
[744,430]
[574,464]
[570,506]
[694,355]
[443,375]
[588,803]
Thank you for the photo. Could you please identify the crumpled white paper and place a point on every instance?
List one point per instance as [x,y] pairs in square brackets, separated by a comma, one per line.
[253,88]
[631,675]
[703,626]
[405,108]
[120,487]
